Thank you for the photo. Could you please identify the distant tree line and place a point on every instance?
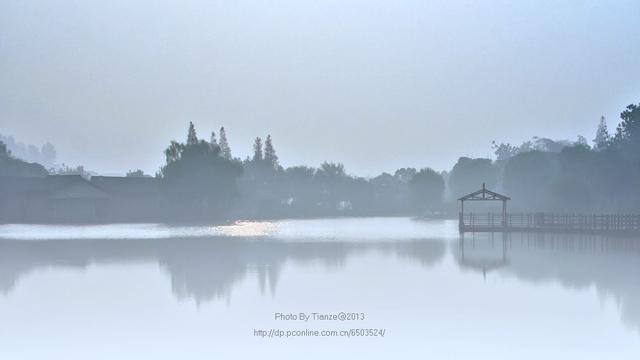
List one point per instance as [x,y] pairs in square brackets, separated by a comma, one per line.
[575,177]
[201,179]
[540,174]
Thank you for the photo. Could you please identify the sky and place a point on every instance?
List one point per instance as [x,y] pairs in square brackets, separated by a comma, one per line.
[376,85]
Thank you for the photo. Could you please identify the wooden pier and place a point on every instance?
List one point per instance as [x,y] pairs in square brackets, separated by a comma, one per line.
[549,222]
[540,221]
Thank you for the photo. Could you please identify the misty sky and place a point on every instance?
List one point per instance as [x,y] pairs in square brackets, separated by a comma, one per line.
[376,85]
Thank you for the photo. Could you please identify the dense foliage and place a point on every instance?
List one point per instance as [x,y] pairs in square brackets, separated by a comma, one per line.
[199,181]
[12,166]
[579,178]
[202,180]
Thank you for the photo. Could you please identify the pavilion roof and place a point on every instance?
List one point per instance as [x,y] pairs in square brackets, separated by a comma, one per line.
[484,194]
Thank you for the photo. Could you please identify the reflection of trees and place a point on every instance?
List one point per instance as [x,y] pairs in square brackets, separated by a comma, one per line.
[209,268]
[610,265]
[427,252]
[202,268]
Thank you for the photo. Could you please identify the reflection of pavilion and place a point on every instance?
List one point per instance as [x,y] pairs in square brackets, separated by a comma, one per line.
[209,268]
[483,254]
[608,264]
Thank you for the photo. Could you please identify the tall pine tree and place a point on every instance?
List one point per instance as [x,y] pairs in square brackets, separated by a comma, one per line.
[225,150]
[257,150]
[629,128]
[602,138]
[270,156]
[213,140]
[192,139]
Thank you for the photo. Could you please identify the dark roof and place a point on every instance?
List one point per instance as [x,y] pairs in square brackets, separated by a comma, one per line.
[484,194]
[51,186]
[21,185]
[127,186]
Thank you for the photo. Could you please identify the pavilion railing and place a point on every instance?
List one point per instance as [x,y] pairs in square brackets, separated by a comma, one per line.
[549,221]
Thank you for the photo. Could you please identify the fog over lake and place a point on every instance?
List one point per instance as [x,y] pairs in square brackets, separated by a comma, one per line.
[304,179]
[200,292]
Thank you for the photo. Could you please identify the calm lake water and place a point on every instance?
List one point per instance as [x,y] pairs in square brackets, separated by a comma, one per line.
[160,292]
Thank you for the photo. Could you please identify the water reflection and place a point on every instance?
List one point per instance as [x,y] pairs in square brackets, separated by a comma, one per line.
[200,268]
[610,264]
[209,267]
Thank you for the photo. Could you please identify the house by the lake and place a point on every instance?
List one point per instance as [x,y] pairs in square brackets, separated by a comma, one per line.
[73,199]
[131,199]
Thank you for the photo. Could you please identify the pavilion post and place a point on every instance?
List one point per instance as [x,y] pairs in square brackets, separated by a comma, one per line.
[461,216]
[504,213]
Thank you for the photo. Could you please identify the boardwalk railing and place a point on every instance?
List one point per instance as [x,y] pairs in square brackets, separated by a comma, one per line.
[483,222]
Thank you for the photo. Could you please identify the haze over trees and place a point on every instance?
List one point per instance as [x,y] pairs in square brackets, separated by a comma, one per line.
[12,166]
[468,174]
[578,177]
[44,155]
[199,182]
[202,180]
[602,139]
[426,188]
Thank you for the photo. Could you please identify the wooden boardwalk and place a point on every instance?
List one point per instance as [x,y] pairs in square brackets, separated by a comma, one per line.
[549,222]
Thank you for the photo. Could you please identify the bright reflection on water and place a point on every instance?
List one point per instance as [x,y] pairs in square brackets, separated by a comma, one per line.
[167,292]
[131,231]
[341,229]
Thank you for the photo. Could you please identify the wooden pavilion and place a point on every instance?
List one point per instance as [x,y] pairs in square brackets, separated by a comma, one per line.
[485,194]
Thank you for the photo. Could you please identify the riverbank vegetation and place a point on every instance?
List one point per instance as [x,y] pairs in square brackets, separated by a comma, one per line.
[202,179]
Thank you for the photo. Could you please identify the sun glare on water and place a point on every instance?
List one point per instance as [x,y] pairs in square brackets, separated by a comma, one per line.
[248,228]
